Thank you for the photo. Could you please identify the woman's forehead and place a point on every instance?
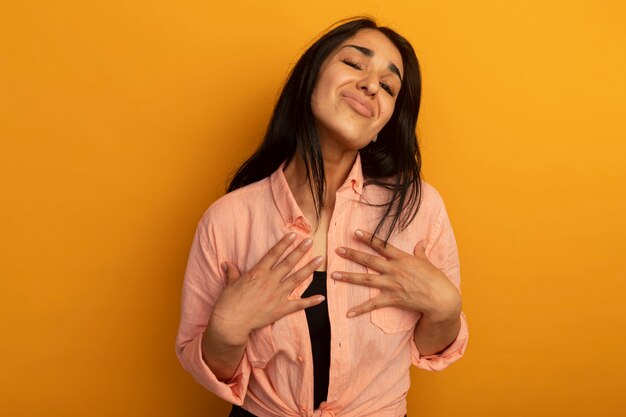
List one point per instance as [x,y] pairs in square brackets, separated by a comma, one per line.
[372,42]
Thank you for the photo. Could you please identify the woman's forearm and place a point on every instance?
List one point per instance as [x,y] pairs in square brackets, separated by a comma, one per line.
[432,337]
[222,350]
[439,326]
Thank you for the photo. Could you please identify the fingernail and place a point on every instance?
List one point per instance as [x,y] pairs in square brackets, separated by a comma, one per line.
[341,251]
[351,313]
[335,275]
[224,267]
[320,298]
[318,260]
[359,232]
[308,242]
[291,236]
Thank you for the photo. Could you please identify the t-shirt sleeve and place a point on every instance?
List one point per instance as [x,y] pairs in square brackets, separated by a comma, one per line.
[203,283]
[441,250]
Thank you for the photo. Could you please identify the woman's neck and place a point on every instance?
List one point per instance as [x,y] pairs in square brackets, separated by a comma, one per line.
[337,166]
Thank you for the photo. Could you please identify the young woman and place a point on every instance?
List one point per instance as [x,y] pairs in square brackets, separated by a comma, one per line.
[329,267]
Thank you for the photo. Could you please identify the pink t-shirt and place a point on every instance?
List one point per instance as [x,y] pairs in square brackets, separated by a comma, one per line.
[370,354]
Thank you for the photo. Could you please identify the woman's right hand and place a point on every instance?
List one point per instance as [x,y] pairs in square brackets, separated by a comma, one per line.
[260,296]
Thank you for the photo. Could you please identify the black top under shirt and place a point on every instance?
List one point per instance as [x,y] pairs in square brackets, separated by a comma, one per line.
[319,332]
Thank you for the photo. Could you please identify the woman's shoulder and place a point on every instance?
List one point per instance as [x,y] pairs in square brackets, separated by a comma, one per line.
[238,204]
[429,195]
[432,209]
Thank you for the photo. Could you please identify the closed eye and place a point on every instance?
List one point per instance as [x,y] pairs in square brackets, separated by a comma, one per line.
[352,64]
[387,88]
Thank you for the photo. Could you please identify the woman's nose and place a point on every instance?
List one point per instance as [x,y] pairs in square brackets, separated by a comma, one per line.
[369,84]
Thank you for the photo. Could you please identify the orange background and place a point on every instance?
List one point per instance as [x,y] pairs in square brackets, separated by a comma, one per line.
[121,121]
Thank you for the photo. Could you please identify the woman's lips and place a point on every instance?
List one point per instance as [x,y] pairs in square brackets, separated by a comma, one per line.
[358,104]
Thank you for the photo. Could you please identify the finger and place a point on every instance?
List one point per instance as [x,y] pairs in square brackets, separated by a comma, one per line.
[303,273]
[371,261]
[367,280]
[386,249]
[287,264]
[274,254]
[232,272]
[366,307]
[301,304]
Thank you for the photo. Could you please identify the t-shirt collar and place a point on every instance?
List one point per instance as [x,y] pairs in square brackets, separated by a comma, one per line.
[286,203]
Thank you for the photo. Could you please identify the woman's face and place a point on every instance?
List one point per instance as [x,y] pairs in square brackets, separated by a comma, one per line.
[356,90]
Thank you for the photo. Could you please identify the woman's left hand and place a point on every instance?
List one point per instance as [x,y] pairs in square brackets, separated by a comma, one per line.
[406,281]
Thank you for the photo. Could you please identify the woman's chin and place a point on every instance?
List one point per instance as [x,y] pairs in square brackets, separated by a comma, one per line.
[344,143]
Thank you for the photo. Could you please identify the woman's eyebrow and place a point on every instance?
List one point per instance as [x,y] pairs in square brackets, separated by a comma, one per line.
[369,53]
[365,51]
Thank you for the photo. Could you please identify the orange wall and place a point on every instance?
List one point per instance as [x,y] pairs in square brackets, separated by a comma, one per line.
[121,120]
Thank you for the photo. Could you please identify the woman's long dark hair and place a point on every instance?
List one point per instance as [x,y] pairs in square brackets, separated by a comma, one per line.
[393,161]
